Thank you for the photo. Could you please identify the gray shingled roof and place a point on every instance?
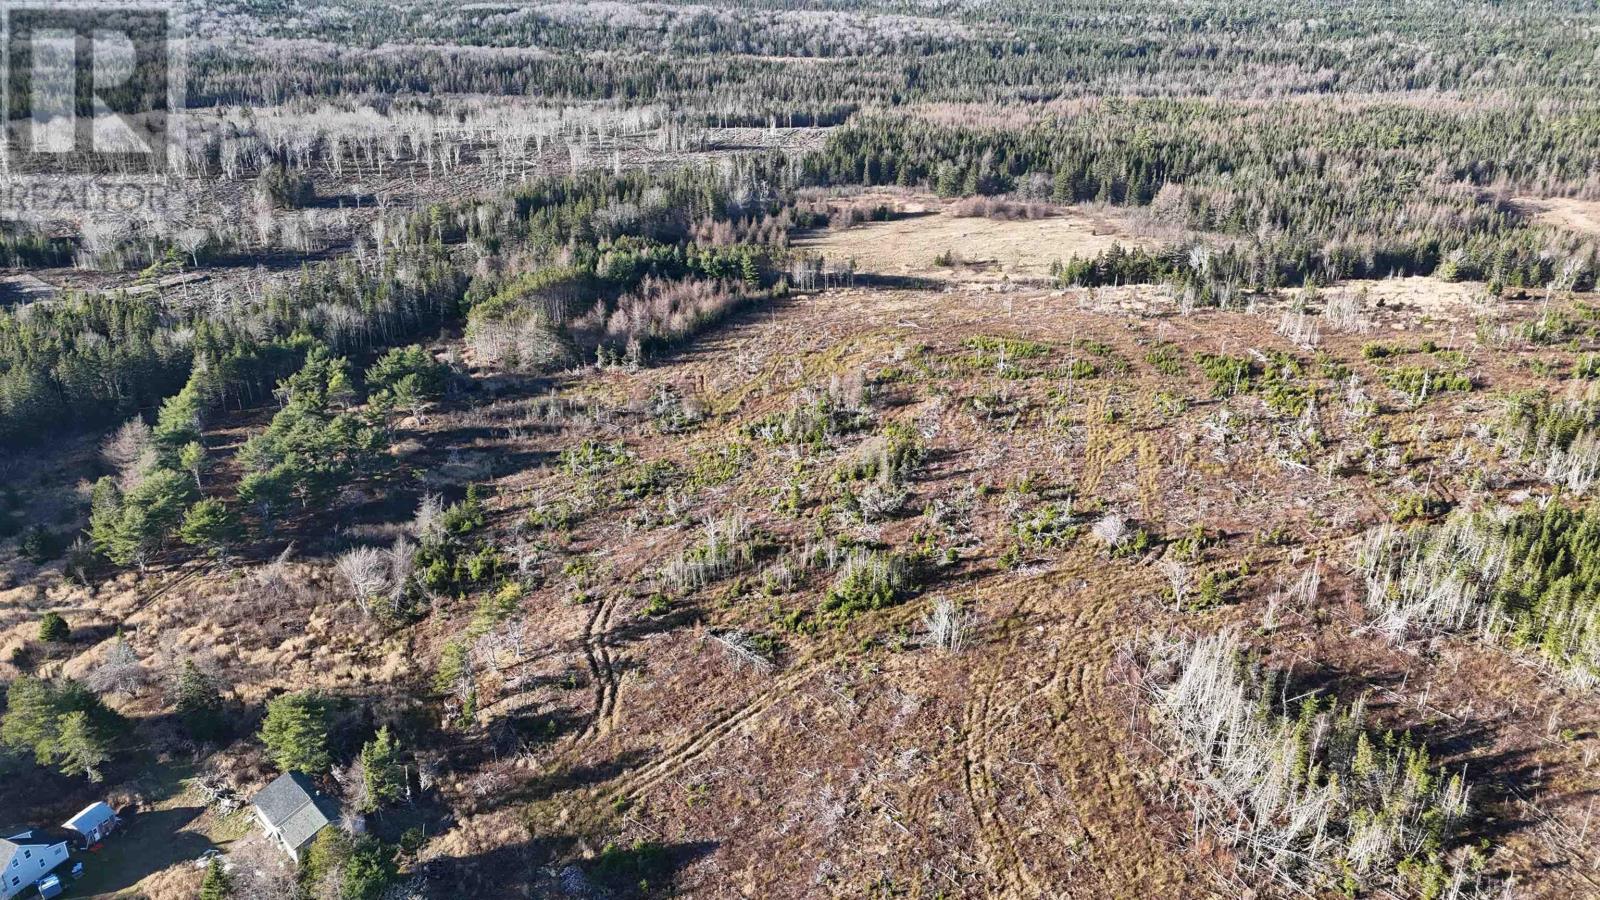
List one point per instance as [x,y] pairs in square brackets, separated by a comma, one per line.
[294,807]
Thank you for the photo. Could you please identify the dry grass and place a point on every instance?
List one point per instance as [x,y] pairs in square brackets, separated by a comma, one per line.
[989,248]
[1582,216]
[862,751]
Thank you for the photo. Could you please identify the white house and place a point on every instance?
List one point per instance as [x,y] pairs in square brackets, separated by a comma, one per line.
[94,822]
[26,858]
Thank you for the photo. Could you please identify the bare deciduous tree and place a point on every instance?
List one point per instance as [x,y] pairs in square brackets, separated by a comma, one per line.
[948,625]
[428,524]
[120,672]
[366,571]
[131,451]
[1112,530]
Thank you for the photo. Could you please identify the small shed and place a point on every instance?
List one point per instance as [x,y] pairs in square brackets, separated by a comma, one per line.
[95,822]
[293,811]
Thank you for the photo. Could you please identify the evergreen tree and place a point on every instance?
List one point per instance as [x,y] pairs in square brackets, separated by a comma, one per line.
[39,544]
[381,771]
[269,491]
[368,870]
[328,852]
[192,459]
[217,885]
[138,523]
[426,375]
[178,422]
[350,868]
[199,703]
[310,448]
[296,732]
[29,724]
[59,722]
[209,525]
[53,629]
[82,745]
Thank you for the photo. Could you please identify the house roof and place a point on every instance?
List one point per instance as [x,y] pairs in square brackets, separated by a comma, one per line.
[10,847]
[91,817]
[292,805]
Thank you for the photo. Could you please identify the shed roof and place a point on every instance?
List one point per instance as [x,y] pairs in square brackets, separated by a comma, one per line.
[293,805]
[91,817]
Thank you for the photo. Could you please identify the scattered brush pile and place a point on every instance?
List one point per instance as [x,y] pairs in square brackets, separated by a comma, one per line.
[1530,577]
[1310,795]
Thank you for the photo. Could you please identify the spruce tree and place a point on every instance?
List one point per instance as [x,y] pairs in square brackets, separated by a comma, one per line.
[131,527]
[199,703]
[296,733]
[217,885]
[209,525]
[82,745]
[327,855]
[368,870]
[53,629]
[192,459]
[178,422]
[29,723]
[381,771]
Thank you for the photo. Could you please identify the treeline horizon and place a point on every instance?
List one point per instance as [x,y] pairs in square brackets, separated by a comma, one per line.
[769,57]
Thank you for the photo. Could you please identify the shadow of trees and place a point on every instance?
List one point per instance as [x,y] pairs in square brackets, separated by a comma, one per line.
[146,843]
[549,866]
[1500,763]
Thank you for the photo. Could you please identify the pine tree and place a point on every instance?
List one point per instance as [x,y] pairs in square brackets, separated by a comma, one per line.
[82,745]
[217,885]
[199,703]
[29,723]
[192,459]
[53,629]
[381,771]
[296,732]
[210,525]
